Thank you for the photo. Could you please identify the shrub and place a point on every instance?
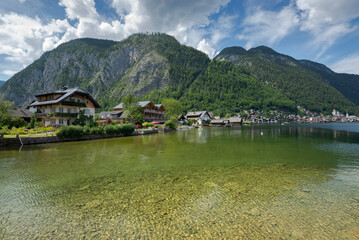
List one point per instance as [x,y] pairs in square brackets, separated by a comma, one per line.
[87,130]
[70,132]
[147,125]
[170,124]
[97,130]
[110,129]
[91,124]
[174,120]
[127,129]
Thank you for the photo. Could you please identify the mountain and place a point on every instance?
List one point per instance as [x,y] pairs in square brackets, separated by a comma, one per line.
[109,69]
[307,84]
[157,66]
[1,82]
[347,84]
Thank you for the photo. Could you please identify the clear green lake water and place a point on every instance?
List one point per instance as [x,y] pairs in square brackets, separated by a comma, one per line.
[217,183]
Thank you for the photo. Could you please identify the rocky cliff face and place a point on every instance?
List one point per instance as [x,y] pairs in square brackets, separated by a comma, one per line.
[157,66]
[107,69]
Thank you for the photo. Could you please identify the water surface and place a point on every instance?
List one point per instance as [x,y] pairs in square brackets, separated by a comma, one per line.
[297,182]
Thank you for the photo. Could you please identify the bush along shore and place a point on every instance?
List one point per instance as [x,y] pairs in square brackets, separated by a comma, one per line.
[79,133]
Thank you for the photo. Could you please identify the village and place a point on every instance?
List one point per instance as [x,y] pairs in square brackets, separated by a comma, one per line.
[62,108]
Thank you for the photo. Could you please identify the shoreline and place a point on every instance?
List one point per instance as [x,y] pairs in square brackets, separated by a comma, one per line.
[8,142]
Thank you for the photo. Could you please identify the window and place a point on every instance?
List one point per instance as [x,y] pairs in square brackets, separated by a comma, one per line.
[69,110]
[53,110]
[78,100]
[50,97]
[87,111]
[61,121]
[61,110]
[53,121]
[41,99]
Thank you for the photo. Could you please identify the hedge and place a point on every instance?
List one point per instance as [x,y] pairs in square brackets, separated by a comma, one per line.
[78,131]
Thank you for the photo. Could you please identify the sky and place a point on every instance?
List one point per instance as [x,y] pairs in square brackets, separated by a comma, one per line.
[325,31]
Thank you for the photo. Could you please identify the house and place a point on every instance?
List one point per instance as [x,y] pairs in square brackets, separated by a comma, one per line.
[211,115]
[22,113]
[199,116]
[151,112]
[62,107]
[181,118]
[220,122]
[235,121]
[107,117]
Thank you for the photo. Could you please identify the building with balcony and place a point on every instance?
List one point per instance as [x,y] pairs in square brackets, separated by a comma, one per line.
[151,112]
[62,107]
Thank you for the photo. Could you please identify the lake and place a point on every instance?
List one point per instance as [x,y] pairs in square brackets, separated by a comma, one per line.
[289,182]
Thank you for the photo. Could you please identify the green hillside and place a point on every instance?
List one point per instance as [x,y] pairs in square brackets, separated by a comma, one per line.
[306,88]
[156,66]
[224,87]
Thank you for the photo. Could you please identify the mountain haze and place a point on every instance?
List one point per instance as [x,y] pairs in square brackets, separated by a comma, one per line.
[157,66]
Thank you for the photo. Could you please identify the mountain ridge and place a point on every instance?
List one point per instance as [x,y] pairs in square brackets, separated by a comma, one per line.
[292,76]
[156,66]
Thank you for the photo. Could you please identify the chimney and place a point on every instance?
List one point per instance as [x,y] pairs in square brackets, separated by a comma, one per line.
[19,107]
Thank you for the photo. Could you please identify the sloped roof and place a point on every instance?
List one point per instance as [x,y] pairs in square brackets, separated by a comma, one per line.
[235,119]
[195,114]
[21,113]
[105,115]
[217,121]
[65,94]
[142,104]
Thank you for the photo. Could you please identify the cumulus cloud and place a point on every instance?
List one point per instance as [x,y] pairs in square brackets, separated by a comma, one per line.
[205,47]
[268,27]
[79,9]
[9,72]
[347,65]
[327,21]
[24,38]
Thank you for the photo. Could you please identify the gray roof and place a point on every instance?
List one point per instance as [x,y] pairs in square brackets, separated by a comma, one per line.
[235,119]
[21,113]
[65,94]
[195,114]
[142,104]
[105,115]
[217,121]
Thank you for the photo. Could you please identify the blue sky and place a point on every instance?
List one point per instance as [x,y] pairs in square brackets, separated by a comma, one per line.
[325,31]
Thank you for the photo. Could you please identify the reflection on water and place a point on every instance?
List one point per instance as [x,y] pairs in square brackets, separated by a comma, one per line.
[251,182]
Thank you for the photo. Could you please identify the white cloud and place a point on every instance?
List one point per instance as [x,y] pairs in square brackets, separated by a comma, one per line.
[9,72]
[79,9]
[23,39]
[206,48]
[268,27]
[347,65]
[327,21]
